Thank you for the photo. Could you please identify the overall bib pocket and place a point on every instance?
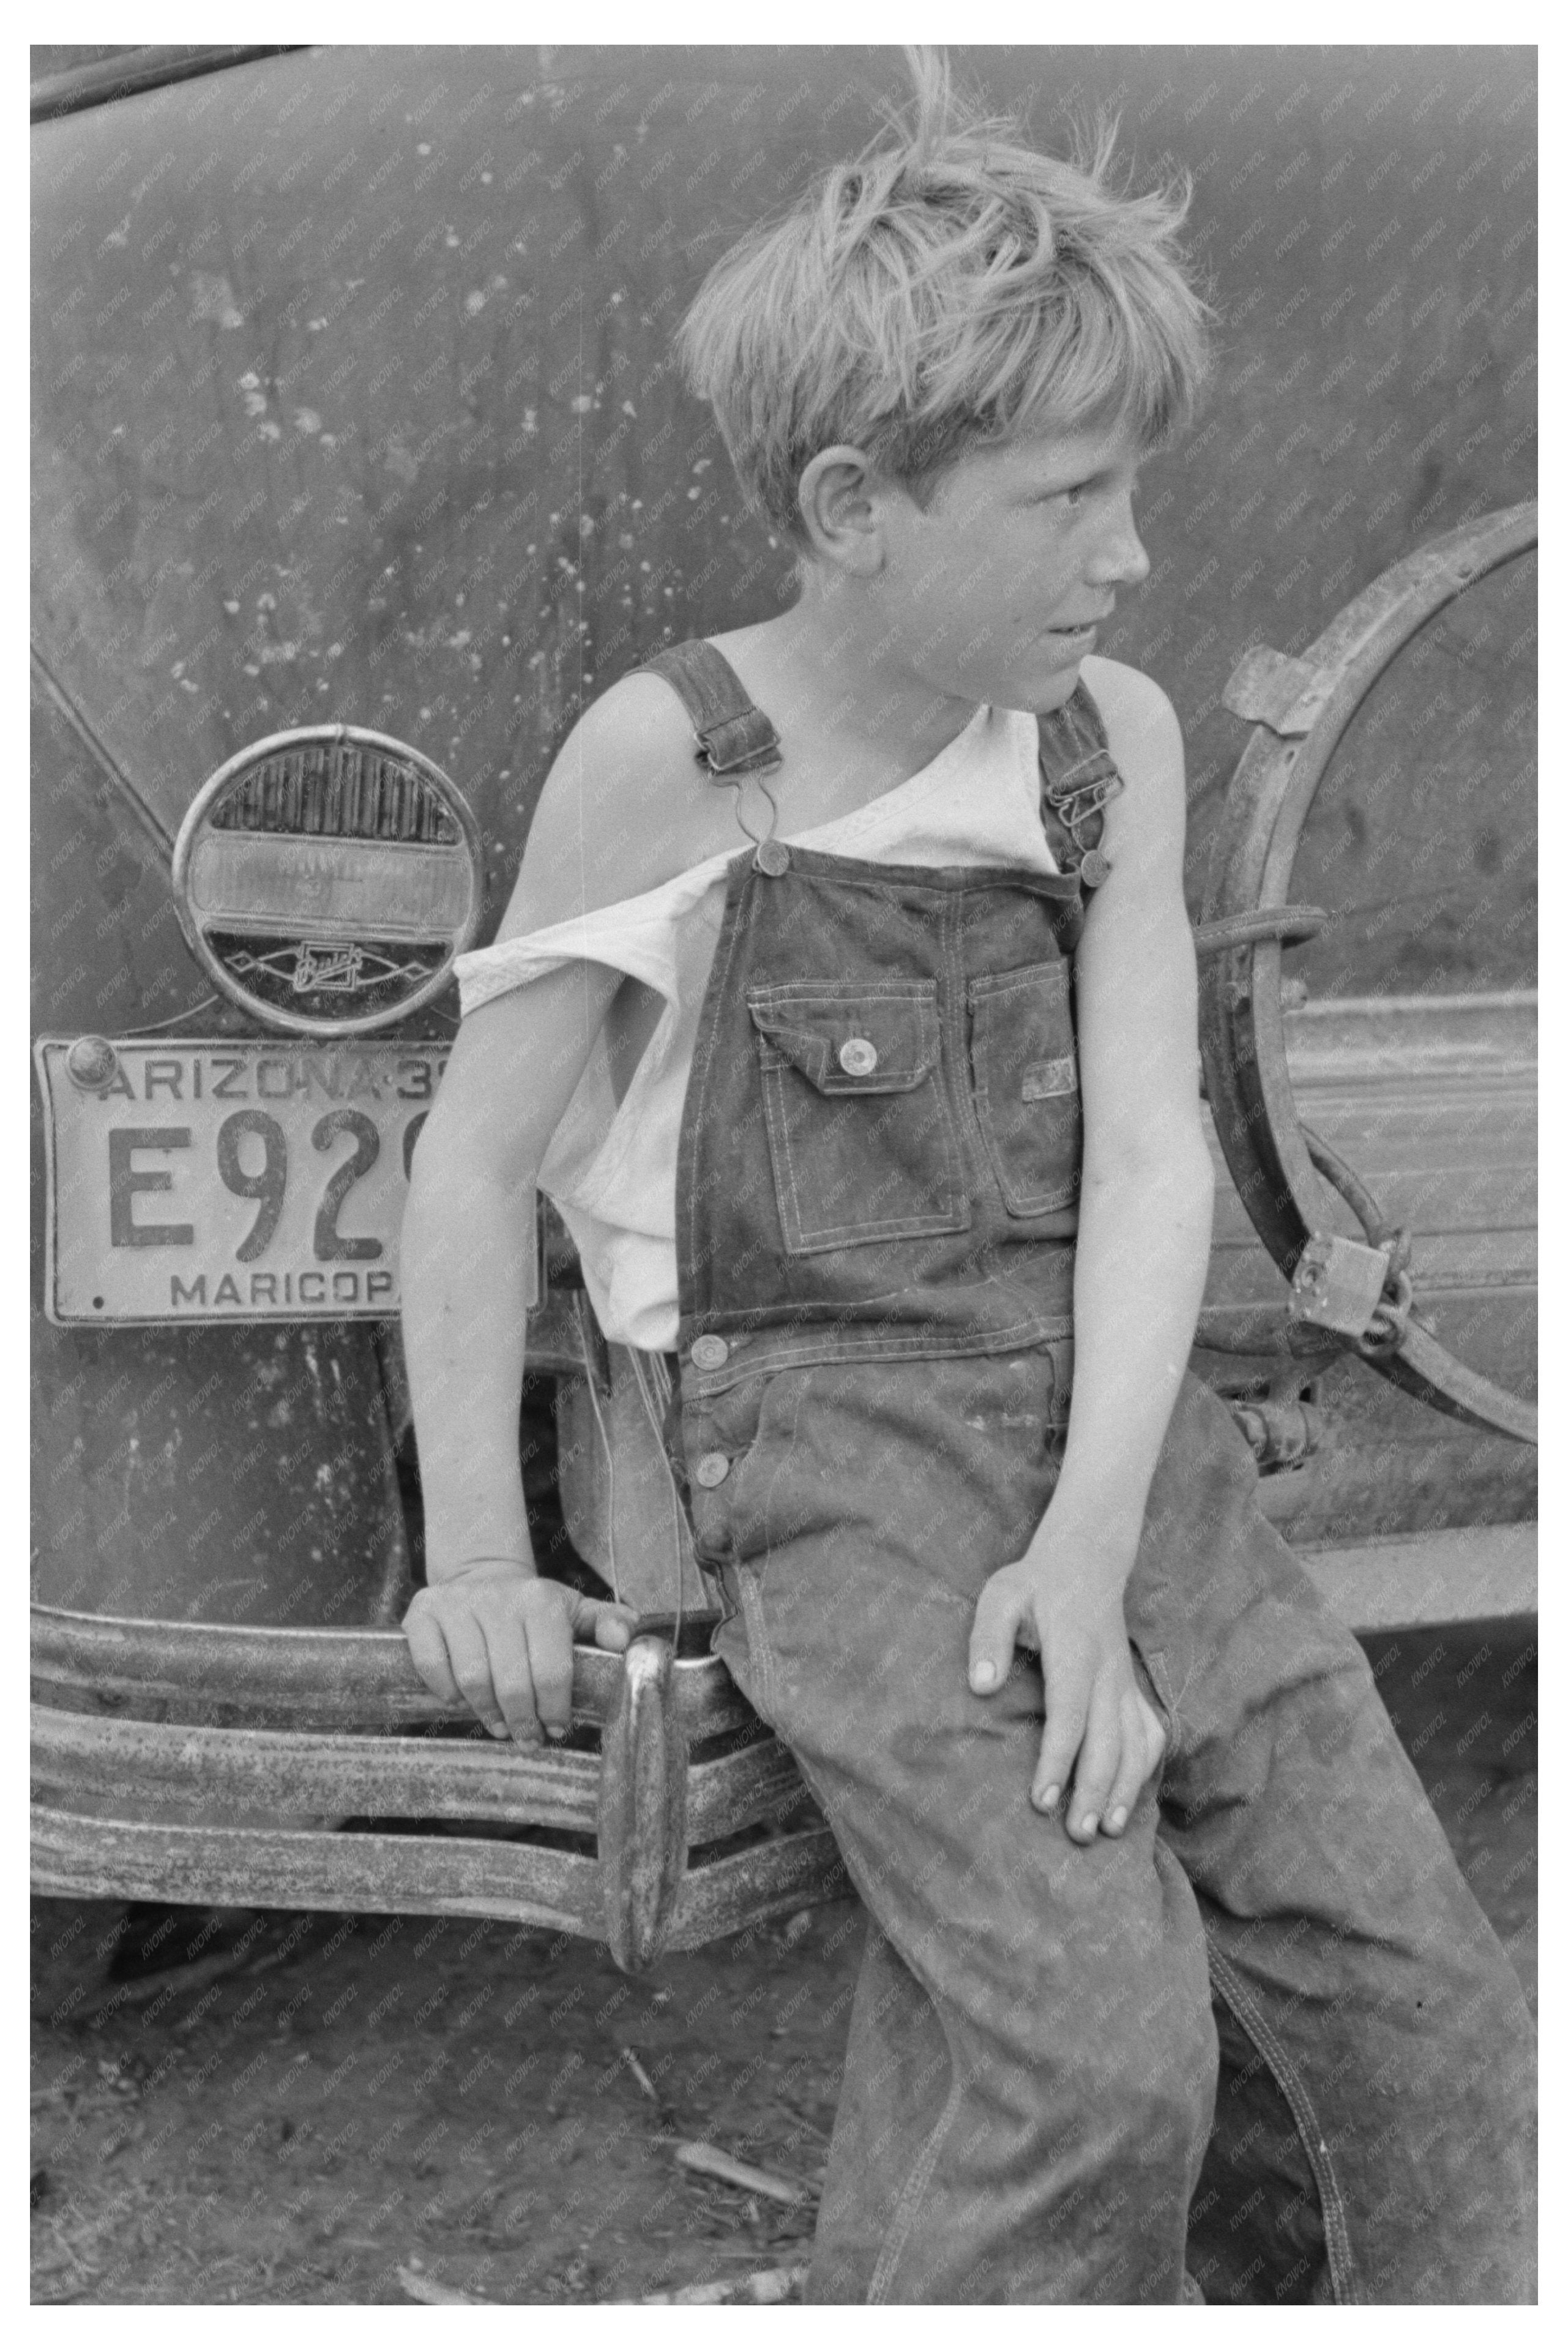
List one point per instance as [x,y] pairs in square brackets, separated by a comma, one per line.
[859,1131]
[1024,1066]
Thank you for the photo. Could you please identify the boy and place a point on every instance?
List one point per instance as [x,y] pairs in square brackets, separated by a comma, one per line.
[880,1142]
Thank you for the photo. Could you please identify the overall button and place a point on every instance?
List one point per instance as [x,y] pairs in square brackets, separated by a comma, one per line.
[712,1469]
[857,1056]
[709,1353]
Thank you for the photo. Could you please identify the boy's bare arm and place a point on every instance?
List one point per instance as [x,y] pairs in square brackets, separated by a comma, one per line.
[488,1631]
[1143,1252]
[1146,1205]
[468,1243]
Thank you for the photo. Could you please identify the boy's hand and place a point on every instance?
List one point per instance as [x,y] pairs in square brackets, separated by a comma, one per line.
[1100,1731]
[499,1638]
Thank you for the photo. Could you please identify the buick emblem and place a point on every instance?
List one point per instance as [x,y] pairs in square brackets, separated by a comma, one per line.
[328,878]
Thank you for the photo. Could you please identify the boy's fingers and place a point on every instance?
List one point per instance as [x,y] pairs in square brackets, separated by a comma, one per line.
[605,1622]
[1065,1718]
[997,1615]
[470,1669]
[506,1652]
[1097,1760]
[427,1651]
[1135,1764]
[1153,1728]
[550,1665]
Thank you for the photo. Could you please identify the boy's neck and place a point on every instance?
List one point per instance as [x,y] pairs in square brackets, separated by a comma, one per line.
[861,680]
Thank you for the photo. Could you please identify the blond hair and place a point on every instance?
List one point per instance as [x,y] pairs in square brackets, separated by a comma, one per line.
[946,290]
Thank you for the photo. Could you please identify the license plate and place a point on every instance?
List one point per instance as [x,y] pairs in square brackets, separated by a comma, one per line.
[231,1180]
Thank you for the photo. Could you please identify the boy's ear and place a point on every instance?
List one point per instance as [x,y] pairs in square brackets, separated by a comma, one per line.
[839,498]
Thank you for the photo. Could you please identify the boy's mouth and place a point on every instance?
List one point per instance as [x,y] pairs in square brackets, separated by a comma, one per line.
[1077,640]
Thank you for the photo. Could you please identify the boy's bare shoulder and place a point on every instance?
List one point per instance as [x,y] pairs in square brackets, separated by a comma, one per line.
[1140,723]
[1148,824]
[624,808]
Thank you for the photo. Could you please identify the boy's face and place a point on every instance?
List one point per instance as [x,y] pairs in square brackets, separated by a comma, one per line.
[996,588]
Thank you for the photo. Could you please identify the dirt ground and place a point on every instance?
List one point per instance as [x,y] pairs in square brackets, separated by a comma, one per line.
[355,2109]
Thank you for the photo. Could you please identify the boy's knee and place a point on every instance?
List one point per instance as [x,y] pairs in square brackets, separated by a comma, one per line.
[1167,2099]
[1145,2080]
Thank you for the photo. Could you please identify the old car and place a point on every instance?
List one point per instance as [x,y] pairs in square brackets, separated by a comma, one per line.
[359,466]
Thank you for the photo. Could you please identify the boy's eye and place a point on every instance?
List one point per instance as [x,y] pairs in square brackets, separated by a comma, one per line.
[1071,497]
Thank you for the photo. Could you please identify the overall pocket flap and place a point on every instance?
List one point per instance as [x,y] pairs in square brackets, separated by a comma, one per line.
[850,1040]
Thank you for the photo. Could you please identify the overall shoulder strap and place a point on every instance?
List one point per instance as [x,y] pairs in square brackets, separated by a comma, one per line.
[1077,777]
[734,737]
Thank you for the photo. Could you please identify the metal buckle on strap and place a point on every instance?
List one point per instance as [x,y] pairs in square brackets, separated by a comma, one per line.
[745,745]
[1098,759]
[1077,802]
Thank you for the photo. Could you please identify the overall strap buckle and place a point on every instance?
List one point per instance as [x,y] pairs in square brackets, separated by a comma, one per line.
[734,738]
[1075,802]
[1078,779]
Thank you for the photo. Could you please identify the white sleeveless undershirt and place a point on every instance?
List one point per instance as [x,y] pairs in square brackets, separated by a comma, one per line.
[611,1171]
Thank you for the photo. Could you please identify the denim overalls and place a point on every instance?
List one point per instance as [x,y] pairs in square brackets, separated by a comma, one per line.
[1265,2044]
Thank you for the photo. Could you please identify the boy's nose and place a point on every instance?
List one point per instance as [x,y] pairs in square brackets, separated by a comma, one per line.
[1121,558]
